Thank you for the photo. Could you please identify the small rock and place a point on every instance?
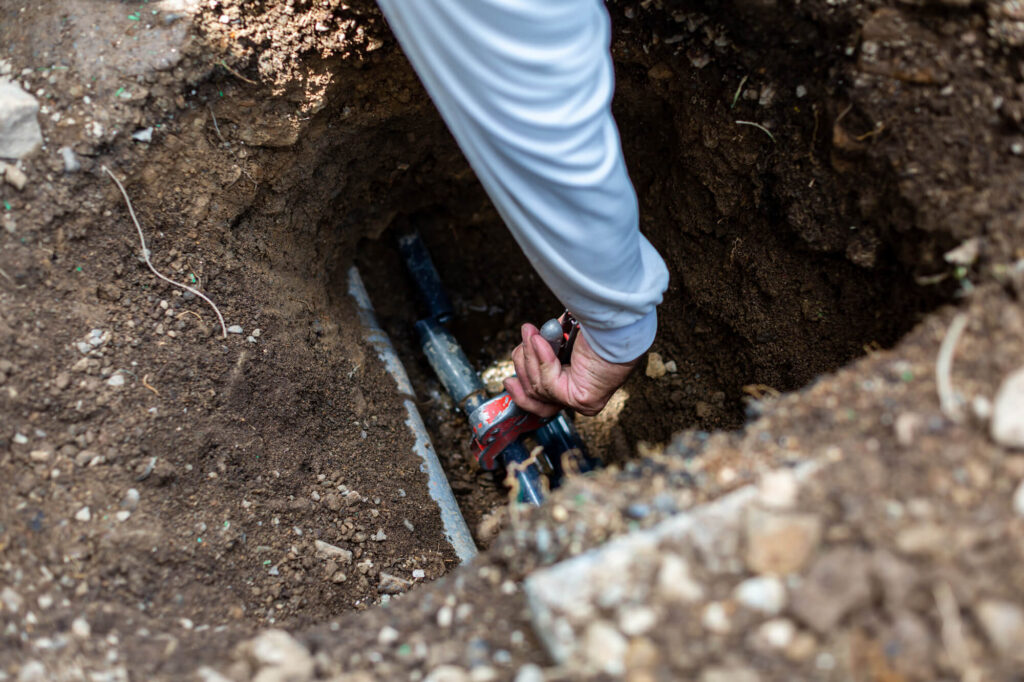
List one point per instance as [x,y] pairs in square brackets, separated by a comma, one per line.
[235,329]
[447,673]
[379,536]
[392,584]
[83,515]
[730,674]
[445,616]
[143,135]
[764,594]
[71,162]
[604,648]
[1003,623]
[83,458]
[330,551]
[14,176]
[780,543]
[776,634]
[778,489]
[655,366]
[837,583]
[62,381]
[131,499]
[660,71]
[33,671]
[122,515]
[531,672]
[116,380]
[80,628]
[965,254]
[676,582]
[11,600]
[636,620]
[387,636]
[45,601]
[1008,412]
[19,129]
[419,574]
[923,539]
[716,619]
[278,657]
[671,367]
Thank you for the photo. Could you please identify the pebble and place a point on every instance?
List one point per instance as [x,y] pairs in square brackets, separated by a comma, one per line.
[419,574]
[636,620]
[80,628]
[279,656]
[447,673]
[11,600]
[131,499]
[775,634]
[116,380]
[604,648]
[676,582]
[531,672]
[19,127]
[778,489]
[33,671]
[14,176]
[764,594]
[392,584]
[387,636]
[143,135]
[715,619]
[1003,623]
[655,366]
[730,674]
[122,515]
[1008,412]
[445,616]
[837,583]
[329,551]
[83,515]
[235,329]
[379,536]
[780,543]
[71,162]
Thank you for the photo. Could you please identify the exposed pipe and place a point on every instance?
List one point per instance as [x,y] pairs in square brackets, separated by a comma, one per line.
[455,529]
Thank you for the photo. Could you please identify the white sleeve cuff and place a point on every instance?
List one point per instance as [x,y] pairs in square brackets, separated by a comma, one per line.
[624,344]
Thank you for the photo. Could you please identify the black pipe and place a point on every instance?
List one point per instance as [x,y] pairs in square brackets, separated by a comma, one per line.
[428,282]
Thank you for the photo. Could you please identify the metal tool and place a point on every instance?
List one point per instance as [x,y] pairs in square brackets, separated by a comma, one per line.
[500,429]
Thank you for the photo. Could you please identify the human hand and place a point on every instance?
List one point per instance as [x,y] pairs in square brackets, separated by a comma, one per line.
[544,386]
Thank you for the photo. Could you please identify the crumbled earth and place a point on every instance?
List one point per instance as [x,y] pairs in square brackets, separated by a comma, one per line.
[828,181]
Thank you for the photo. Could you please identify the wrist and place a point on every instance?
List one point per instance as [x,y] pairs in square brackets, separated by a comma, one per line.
[623,345]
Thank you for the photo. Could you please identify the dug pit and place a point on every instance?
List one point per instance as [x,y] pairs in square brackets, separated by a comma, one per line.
[799,230]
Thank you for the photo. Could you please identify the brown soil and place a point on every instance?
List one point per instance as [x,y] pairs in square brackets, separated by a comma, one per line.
[291,140]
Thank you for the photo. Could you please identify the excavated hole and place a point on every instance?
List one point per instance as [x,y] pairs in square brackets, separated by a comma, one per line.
[784,264]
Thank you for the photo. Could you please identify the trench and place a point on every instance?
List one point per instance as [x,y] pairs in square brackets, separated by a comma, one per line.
[791,252]
[789,255]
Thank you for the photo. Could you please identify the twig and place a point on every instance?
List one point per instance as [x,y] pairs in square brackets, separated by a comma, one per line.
[736,97]
[216,127]
[944,368]
[145,255]
[236,74]
[759,127]
[188,312]
[146,384]
[7,277]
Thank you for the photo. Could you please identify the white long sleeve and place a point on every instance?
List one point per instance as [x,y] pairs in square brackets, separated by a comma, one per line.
[525,87]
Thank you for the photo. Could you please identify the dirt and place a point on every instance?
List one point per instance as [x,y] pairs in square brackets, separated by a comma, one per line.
[290,140]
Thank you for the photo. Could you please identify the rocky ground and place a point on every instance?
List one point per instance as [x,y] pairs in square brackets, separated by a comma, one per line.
[817,476]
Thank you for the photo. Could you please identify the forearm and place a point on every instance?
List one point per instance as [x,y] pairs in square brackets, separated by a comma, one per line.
[525,88]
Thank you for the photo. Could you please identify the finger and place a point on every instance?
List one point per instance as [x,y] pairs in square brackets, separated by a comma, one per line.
[531,364]
[514,386]
[549,368]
